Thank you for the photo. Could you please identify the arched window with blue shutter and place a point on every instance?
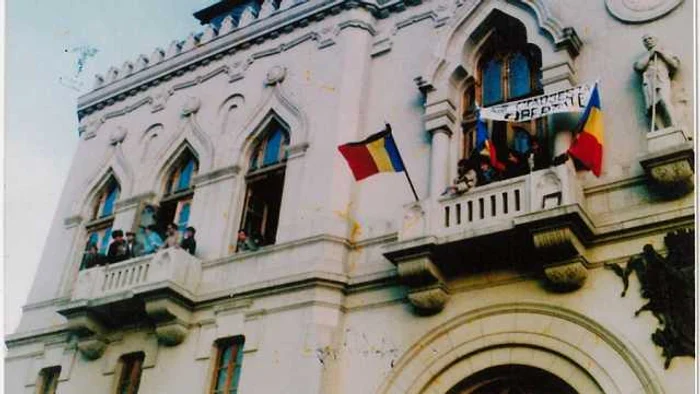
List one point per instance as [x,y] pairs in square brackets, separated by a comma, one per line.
[492,84]
[519,76]
[176,204]
[264,187]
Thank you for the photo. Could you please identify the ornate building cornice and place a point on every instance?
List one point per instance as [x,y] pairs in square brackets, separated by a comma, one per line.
[200,50]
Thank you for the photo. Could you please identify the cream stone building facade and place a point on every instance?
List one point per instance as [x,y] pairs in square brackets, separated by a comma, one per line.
[354,287]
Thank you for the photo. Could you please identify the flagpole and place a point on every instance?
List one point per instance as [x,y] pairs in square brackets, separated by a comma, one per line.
[405,170]
[653,96]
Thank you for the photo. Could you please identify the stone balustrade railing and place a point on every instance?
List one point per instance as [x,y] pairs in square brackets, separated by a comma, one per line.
[170,267]
[492,207]
[249,16]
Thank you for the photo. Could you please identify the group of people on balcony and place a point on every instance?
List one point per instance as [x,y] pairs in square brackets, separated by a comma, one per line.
[121,248]
[479,169]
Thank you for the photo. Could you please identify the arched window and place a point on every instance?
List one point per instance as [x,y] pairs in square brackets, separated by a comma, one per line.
[176,203]
[264,184]
[507,69]
[99,228]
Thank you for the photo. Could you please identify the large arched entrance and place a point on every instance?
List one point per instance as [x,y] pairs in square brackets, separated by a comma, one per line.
[519,346]
[512,379]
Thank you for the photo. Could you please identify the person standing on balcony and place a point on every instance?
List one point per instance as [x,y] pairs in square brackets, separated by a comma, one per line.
[172,237]
[188,242]
[91,258]
[117,249]
[152,241]
[134,248]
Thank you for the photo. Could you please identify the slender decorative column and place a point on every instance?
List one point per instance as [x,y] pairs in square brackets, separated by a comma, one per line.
[439,122]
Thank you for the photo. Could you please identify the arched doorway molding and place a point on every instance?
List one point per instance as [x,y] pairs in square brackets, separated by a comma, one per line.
[567,344]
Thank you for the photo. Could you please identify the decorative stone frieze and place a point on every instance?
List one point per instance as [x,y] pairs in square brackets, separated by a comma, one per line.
[670,162]
[562,254]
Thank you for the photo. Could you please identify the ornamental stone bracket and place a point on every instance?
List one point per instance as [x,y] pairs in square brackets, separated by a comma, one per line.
[171,320]
[670,162]
[416,267]
[90,332]
[561,251]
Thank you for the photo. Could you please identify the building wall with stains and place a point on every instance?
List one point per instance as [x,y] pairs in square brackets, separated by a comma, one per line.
[323,310]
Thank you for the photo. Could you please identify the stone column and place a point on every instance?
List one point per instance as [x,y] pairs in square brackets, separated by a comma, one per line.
[214,211]
[440,116]
[291,223]
[439,161]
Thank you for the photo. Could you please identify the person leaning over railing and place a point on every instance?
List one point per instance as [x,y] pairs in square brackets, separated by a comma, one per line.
[152,241]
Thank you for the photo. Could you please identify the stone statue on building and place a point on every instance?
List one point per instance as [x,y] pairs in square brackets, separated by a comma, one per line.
[657,66]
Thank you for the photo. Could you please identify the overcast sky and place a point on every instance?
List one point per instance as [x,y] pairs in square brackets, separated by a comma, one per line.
[43,79]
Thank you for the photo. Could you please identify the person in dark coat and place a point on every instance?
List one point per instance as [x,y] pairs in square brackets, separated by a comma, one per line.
[91,258]
[117,249]
[134,248]
[188,242]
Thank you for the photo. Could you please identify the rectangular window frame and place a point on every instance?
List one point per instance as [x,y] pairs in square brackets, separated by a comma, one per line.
[232,369]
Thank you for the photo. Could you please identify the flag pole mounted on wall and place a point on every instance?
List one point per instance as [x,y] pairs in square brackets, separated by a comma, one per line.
[376,153]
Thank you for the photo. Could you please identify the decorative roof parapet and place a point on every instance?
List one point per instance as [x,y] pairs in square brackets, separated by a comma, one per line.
[117,85]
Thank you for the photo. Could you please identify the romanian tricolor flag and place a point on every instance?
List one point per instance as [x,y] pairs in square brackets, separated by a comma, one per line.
[484,145]
[587,148]
[377,153]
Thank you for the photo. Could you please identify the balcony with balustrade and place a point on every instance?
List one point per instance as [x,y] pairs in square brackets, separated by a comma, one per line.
[157,289]
[503,225]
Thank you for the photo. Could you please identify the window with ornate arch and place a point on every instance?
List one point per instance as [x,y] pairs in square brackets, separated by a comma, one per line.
[264,186]
[99,228]
[178,192]
[508,69]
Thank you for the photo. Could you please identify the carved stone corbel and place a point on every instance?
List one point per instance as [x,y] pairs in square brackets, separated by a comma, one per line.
[171,320]
[670,162]
[90,332]
[92,348]
[427,289]
[562,253]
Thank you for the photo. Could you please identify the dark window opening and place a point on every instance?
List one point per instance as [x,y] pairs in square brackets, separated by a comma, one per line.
[48,380]
[263,200]
[130,375]
[264,188]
